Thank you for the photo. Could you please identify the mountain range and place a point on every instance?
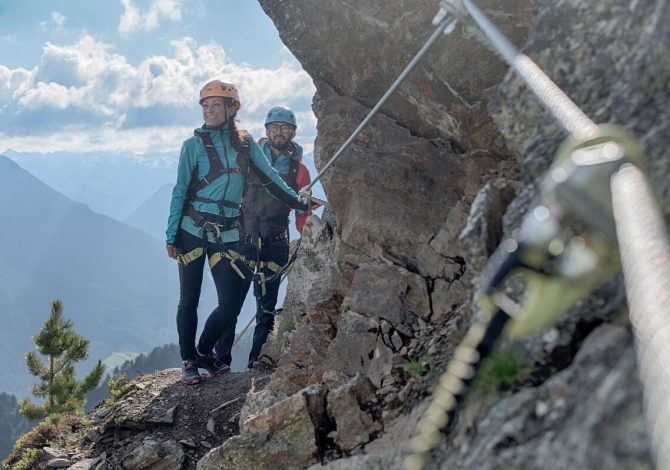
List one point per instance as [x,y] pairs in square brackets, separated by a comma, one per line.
[115,281]
[110,183]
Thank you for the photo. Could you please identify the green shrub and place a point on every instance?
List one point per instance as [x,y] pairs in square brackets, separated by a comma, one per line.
[22,441]
[286,326]
[64,434]
[41,435]
[53,418]
[420,365]
[502,370]
[29,457]
[119,386]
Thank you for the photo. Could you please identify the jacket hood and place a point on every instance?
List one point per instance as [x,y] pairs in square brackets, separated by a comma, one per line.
[297,152]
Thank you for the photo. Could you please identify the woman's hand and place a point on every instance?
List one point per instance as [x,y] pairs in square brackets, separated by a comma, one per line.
[172,251]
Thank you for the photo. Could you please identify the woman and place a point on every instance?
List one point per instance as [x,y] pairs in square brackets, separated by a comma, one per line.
[204,220]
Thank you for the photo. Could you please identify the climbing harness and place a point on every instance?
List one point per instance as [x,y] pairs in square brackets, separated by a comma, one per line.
[278,270]
[446,24]
[595,203]
[237,261]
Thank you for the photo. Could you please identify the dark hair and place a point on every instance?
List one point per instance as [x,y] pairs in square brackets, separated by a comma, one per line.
[239,137]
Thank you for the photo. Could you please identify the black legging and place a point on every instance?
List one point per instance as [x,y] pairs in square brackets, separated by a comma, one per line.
[228,284]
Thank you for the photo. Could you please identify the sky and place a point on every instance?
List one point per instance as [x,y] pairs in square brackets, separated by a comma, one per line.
[124,75]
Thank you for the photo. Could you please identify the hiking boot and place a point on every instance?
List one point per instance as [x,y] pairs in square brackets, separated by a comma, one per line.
[262,362]
[189,373]
[212,365]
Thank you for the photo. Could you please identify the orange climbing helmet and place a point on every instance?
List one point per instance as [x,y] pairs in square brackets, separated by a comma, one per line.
[221,89]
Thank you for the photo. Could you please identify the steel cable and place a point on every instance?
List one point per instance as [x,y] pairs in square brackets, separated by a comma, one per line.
[643,244]
[442,26]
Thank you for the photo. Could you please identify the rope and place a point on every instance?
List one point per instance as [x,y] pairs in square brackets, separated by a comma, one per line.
[442,26]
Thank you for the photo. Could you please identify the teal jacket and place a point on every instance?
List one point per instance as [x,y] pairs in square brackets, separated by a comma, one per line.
[228,186]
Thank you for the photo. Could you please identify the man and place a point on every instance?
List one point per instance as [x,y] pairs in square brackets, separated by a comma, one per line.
[266,226]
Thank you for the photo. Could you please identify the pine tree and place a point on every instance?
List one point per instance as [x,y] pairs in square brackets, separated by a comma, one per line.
[58,386]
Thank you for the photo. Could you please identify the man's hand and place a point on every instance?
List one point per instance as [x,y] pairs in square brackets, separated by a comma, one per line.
[172,251]
[304,196]
[292,247]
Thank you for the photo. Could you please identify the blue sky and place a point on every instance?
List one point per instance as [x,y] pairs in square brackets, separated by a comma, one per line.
[123,75]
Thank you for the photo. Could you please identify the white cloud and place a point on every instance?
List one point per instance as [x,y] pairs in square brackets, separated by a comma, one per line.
[134,20]
[56,24]
[58,19]
[130,20]
[9,38]
[139,140]
[78,90]
[43,94]
[169,9]
[91,76]
[81,139]
[13,83]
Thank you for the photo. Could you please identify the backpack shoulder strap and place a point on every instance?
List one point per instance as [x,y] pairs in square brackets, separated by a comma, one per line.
[292,176]
[215,164]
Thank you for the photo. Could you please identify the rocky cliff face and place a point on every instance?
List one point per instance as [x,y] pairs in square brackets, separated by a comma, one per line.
[422,198]
[381,292]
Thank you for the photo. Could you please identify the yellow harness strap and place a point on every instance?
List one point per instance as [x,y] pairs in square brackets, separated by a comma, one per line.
[260,276]
[261,282]
[231,255]
[271,265]
[190,256]
[214,259]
